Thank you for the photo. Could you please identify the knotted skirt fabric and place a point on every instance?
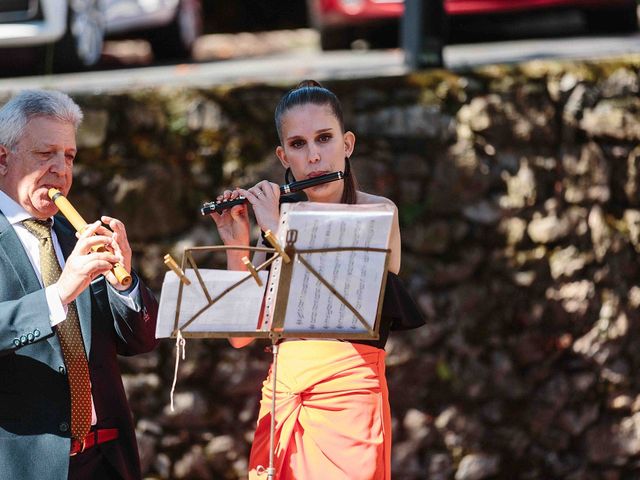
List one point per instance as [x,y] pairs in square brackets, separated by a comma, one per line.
[332,414]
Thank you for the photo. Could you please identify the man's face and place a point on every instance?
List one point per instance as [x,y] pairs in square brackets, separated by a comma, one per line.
[42,159]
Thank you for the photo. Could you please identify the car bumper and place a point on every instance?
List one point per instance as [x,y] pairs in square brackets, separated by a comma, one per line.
[352,12]
[49,29]
[339,12]
[472,7]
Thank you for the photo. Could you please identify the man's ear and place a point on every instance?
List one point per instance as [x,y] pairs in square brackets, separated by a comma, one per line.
[4,160]
[282,156]
[349,143]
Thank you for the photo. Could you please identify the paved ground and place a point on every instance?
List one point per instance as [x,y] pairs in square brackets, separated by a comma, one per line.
[217,47]
[288,56]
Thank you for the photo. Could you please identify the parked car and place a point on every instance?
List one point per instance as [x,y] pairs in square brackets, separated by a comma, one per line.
[77,28]
[339,22]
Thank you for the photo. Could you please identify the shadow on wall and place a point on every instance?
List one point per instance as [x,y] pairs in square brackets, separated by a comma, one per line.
[518,193]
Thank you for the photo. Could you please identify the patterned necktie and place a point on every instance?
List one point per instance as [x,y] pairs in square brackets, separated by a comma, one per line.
[69,334]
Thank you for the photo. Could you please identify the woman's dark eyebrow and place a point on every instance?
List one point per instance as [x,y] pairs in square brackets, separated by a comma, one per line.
[317,132]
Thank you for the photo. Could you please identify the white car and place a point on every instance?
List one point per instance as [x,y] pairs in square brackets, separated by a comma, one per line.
[77,28]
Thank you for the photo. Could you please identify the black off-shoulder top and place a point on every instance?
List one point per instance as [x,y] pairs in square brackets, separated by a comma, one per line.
[399,312]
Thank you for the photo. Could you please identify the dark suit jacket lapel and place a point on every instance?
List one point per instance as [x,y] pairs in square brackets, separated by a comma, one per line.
[67,239]
[11,247]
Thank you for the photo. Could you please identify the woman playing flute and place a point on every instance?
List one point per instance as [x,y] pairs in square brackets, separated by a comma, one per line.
[333,418]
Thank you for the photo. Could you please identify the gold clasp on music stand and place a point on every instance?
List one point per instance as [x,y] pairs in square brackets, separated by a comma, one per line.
[268,235]
[252,270]
[171,263]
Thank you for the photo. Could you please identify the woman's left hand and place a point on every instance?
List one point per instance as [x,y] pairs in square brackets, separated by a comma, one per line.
[264,198]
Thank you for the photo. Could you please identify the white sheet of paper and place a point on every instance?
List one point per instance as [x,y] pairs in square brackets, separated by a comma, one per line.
[237,311]
[357,275]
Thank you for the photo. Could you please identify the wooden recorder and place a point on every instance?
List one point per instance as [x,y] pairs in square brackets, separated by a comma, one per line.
[79,224]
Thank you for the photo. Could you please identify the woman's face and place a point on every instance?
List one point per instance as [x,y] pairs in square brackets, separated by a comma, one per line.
[313,144]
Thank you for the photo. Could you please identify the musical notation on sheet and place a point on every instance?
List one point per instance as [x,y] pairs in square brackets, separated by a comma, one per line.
[355,274]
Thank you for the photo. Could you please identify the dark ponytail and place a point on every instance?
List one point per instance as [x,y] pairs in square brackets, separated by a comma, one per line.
[349,194]
[311,92]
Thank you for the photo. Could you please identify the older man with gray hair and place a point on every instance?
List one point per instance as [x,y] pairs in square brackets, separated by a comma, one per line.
[64,316]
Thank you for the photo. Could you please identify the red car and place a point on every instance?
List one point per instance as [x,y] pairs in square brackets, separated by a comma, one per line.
[339,22]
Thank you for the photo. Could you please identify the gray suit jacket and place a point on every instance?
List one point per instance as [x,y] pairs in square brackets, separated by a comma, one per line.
[34,391]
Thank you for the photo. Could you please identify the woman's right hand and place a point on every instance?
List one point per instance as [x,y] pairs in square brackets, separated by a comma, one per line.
[233,228]
[232,223]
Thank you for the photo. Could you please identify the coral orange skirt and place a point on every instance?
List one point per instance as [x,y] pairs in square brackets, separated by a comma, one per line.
[332,414]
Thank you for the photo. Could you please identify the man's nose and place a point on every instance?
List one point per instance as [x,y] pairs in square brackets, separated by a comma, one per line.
[58,163]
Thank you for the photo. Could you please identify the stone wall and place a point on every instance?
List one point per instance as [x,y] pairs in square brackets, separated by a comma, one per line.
[518,189]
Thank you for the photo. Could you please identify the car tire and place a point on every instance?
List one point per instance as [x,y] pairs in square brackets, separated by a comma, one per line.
[335,38]
[176,40]
[81,46]
[613,20]
[331,37]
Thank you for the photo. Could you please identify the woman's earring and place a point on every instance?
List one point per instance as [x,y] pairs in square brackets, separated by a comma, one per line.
[288,176]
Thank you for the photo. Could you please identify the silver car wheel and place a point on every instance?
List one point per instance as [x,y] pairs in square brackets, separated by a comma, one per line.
[87,29]
[189,21]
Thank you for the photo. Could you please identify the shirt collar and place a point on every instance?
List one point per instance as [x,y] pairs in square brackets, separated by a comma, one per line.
[12,210]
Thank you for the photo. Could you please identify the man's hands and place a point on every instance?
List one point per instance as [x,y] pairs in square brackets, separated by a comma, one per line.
[120,246]
[98,249]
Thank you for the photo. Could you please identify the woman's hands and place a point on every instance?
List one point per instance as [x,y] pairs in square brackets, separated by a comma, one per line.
[264,198]
[233,228]
[233,223]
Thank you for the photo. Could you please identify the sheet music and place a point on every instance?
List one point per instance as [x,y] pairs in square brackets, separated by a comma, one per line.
[357,275]
[237,311]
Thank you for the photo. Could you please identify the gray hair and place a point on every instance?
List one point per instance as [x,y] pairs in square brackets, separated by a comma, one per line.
[28,104]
